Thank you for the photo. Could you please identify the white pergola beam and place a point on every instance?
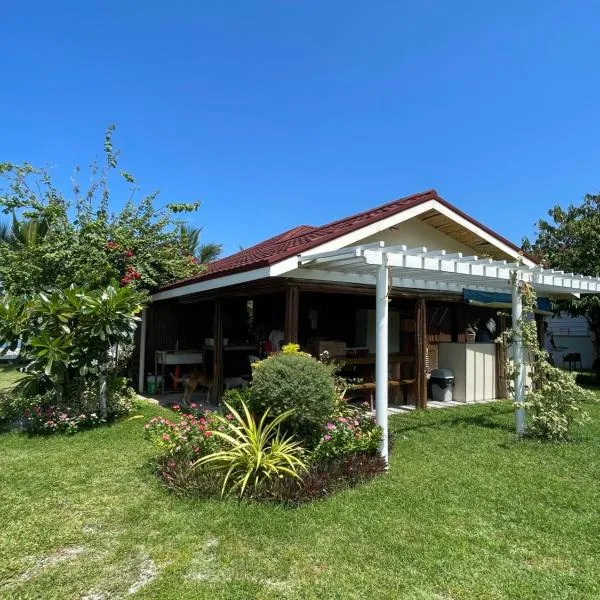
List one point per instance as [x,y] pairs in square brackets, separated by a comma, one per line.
[381,356]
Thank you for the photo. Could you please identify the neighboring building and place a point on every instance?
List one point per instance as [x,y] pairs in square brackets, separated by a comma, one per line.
[572,336]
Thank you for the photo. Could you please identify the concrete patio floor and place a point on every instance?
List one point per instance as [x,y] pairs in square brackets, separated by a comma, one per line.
[201,400]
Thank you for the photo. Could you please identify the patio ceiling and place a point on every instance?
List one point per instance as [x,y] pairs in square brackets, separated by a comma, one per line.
[437,270]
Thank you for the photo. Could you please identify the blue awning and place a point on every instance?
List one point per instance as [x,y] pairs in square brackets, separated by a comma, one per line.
[501,300]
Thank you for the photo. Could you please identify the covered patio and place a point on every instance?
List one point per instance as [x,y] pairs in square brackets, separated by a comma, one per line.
[419,269]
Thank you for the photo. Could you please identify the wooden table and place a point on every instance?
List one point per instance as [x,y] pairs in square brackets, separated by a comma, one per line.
[369,359]
[164,357]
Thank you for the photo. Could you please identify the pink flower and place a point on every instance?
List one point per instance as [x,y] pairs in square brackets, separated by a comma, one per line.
[327,437]
[193,405]
[343,420]
[176,407]
[207,434]
[165,437]
[330,426]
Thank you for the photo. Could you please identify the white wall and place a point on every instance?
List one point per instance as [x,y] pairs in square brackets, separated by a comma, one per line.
[414,233]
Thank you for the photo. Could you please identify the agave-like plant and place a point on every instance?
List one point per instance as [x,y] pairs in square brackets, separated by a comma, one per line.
[255,452]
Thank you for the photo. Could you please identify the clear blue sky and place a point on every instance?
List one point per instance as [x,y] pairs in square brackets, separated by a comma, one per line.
[280,112]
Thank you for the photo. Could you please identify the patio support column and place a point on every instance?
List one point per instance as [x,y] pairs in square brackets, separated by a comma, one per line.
[421,363]
[292,306]
[517,311]
[217,382]
[142,365]
[381,354]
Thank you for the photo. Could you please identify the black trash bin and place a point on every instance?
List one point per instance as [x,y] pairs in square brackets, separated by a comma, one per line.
[442,382]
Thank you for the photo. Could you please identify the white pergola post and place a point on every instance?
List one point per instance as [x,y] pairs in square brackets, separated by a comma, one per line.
[381,354]
[144,325]
[517,311]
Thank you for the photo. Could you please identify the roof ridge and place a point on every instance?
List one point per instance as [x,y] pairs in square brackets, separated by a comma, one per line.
[386,205]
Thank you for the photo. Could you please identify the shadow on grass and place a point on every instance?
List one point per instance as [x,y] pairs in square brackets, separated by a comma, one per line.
[492,418]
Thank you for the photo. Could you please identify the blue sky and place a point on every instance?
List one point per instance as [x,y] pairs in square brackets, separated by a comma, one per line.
[276,113]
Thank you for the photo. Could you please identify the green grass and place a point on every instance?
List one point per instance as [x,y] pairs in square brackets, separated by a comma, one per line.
[8,376]
[465,512]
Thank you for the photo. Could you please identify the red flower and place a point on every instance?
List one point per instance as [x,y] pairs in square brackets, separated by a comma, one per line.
[128,254]
[207,434]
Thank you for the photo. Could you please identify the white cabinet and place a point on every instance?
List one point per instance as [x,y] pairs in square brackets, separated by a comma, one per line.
[365,330]
[474,367]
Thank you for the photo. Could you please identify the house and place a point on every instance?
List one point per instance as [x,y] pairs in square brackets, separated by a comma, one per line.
[572,337]
[246,297]
[392,292]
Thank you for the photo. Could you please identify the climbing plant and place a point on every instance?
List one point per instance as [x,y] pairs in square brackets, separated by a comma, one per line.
[553,401]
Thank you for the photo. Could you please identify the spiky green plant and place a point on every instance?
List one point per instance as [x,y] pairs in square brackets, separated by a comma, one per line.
[255,452]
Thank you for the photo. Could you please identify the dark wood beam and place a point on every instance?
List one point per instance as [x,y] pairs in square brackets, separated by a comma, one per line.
[292,307]
[421,348]
[217,383]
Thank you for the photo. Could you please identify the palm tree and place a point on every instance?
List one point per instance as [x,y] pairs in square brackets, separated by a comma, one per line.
[29,232]
[190,242]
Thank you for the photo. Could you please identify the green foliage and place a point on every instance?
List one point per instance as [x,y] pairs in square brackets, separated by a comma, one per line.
[69,331]
[570,241]
[58,241]
[254,453]
[298,382]
[555,401]
[552,410]
[66,336]
[237,397]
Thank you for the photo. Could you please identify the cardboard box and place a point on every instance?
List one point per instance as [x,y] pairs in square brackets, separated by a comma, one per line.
[333,347]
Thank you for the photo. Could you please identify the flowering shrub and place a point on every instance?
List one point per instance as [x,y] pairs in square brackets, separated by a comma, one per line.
[189,436]
[59,420]
[351,430]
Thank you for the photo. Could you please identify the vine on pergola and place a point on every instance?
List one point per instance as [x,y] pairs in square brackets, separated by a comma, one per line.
[553,401]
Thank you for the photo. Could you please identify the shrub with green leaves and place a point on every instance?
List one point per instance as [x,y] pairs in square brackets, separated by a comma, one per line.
[298,382]
[558,404]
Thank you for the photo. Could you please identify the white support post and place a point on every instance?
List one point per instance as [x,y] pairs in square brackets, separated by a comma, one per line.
[142,350]
[381,354]
[517,311]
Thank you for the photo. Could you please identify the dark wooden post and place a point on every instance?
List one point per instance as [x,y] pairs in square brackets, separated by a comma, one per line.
[292,306]
[421,339]
[217,383]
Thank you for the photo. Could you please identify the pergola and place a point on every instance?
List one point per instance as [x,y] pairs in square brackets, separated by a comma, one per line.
[420,269]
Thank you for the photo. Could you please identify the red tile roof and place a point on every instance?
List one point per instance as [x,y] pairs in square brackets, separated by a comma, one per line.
[305,237]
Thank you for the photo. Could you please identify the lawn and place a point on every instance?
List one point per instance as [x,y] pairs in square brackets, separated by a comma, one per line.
[8,376]
[465,512]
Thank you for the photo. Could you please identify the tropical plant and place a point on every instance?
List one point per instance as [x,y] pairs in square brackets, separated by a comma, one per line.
[295,381]
[254,452]
[190,242]
[66,335]
[55,240]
